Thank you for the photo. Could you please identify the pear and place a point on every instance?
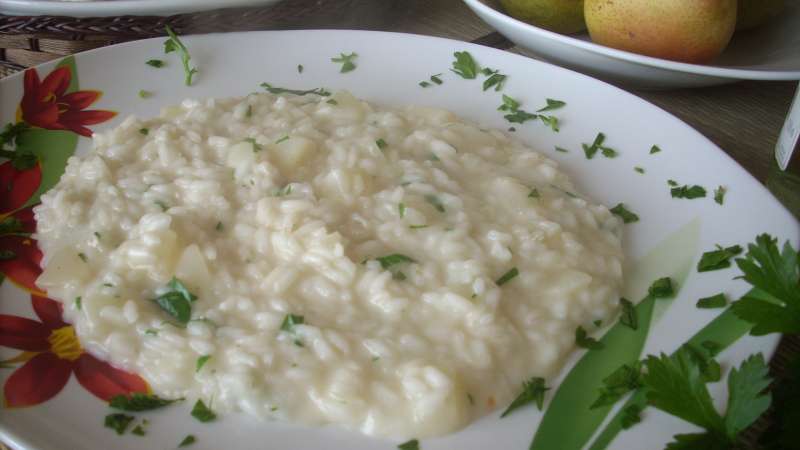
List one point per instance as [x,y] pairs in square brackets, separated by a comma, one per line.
[753,13]
[693,31]
[561,16]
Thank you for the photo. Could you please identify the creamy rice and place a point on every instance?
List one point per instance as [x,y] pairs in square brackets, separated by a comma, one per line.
[269,205]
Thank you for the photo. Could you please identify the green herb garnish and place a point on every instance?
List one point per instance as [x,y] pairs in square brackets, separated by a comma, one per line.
[157,63]
[279,90]
[188,440]
[145,94]
[591,150]
[508,276]
[219,226]
[137,402]
[551,105]
[401,209]
[164,207]
[654,149]
[410,445]
[174,44]
[435,202]
[393,259]
[625,379]
[624,214]
[201,361]
[583,340]
[628,316]
[533,391]
[718,259]
[661,288]
[118,422]
[715,301]
[719,194]
[639,170]
[177,302]
[688,192]
[631,416]
[78,303]
[534,193]
[83,257]
[144,131]
[496,80]
[381,144]
[464,66]
[299,68]
[550,121]
[346,61]
[437,78]
[202,412]
[561,149]
[256,146]
[138,430]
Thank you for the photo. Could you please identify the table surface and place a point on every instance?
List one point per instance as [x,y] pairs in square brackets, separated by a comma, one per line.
[744,119]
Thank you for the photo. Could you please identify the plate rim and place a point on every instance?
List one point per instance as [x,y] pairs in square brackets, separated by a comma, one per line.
[121,7]
[769,348]
[642,60]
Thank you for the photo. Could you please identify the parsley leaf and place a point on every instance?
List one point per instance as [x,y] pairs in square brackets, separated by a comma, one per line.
[145,94]
[188,440]
[288,325]
[688,192]
[157,63]
[346,61]
[256,146]
[624,214]
[138,402]
[715,301]
[464,65]
[495,79]
[393,259]
[508,276]
[654,149]
[628,316]
[561,149]
[719,194]
[625,379]
[639,170]
[509,104]
[591,150]
[661,288]
[551,105]
[202,412]
[138,430]
[201,361]
[410,445]
[381,143]
[177,302]
[279,90]
[118,422]
[718,259]
[401,209]
[144,131]
[299,68]
[534,193]
[435,202]
[584,341]
[437,78]
[550,121]
[520,116]
[776,273]
[533,391]
[174,44]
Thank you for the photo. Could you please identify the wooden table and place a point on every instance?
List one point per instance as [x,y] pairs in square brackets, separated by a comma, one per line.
[743,119]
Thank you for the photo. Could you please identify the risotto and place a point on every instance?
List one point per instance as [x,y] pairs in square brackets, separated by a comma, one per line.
[319,259]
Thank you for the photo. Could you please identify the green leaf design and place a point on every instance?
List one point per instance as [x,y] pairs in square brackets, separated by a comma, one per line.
[569,422]
[52,147]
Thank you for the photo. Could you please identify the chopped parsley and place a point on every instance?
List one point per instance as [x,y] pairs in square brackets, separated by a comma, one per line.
[435,202]
[78,303]
[410,445]
[583,340]
[201,361]
[346,61]
[609,152]
[424,84]
[282,139]
[628,316]
[509,104]
[188,440]
[496,80]
[144,131]
[534,193]
[118,422]
[464,66]
[672,183]
[138,430]
[718,259]
[520,116]
[437,78]
[137,402]
[151,332]
[393,259]
[551,105]
[202,412]
[83,257]
[174,44]
[533,391]
[299,68]
[157,63]
[219,226]
[715,301]
[639,170]
[688,192]
[625,379]
[256,146]
[286,190]
[279,90]
[145,94]
[654,149]
[288,325]
[624,214]
[719,194]
[417,227]
[561,149]
[551,121]
[508,276]
[401,209]
[677,386]
[381,143]
[661,288]
[177,301]
[249,112]
[597,145]
[775,272]
[331,102]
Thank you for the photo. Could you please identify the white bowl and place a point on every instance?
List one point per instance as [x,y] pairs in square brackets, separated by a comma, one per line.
[771,52]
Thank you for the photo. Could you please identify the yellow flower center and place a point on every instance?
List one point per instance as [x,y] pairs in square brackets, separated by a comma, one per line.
[64,343]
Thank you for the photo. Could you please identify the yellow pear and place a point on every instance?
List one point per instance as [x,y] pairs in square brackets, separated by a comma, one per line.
[561,16]
[753,13]
[694,31]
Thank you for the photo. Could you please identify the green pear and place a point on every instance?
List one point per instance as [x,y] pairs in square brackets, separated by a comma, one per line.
[693,31]
[753,13]
[561,16]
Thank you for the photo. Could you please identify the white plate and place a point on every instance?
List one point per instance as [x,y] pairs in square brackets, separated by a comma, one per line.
[389,68]
[766,53]
[102,8]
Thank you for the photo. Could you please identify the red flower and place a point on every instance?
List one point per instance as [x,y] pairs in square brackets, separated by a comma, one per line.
[17,186]
[19,254]
[46,104]
[51,354]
